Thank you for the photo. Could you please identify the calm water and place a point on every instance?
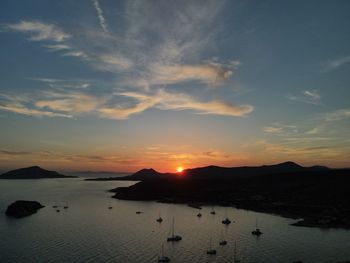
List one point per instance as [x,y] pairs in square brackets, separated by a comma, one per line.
[89,232]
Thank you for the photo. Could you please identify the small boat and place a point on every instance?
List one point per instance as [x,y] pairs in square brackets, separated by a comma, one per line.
[222,242]
[199,215]
[160,219]
[110,207]
[226,221]
[138,212]
[173,237]
[66,206]
[235,258]
[57,210]
[211,251]
[212,211]
[257,231]
[163,258]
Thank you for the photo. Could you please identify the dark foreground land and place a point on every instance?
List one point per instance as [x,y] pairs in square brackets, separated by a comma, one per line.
[318,195]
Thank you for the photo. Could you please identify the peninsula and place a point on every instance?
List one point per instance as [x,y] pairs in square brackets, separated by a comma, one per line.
[319,195]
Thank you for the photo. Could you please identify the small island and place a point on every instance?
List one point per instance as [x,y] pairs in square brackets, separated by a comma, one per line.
[33,172]
[23,208]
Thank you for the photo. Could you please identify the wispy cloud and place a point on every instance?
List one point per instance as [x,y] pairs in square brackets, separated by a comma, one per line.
[280,128]
[21,109]
[174,101]
[78,54]
[73,102]
[336,63]
[119,62]
[208,73]
[307,96]
[100,15]
[13,153]
[336,115]
[57,47]
[40,31]
[152,71]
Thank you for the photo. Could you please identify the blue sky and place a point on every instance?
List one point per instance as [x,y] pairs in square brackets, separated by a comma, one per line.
[122,85]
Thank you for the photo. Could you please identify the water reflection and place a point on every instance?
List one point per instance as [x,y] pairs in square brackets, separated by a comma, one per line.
[88,231]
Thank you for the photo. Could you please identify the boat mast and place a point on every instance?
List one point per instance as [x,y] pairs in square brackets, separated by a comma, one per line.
[235,252]
[172,229]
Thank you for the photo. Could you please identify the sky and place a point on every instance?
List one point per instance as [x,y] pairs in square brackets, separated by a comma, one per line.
[107,85]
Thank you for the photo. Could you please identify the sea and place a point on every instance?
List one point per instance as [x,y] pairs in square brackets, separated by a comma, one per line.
[88,231]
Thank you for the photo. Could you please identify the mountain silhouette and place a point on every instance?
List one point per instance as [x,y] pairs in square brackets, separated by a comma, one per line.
[318,194]
[217,172]
[33,172]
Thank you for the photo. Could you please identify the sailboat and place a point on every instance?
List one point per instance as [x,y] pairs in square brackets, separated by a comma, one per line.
[66,206]
[110,205]
[257,231]
[222,242]
[212,211]
[235,258]
[160,219]
[173,237]
[211,251]
[163,258]
[226,221]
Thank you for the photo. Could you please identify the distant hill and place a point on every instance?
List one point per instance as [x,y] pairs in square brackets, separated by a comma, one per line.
[217,172]
[33,172]
[144,174]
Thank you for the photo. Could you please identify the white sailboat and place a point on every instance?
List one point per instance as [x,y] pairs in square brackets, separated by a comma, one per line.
[226,221]
[212,211]
[173,237]
[163,258]
[257,231]
[211,251]
[159,219]
[222,242]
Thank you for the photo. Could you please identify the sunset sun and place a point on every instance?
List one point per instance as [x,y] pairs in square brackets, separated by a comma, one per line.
[179,169]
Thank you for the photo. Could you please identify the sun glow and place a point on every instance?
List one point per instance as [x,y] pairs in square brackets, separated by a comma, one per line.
[179,169]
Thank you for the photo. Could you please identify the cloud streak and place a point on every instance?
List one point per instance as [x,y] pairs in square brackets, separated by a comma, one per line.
[40,31]
[207,73]
[174,101]
[336,63]
[100,16]
[307,96]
